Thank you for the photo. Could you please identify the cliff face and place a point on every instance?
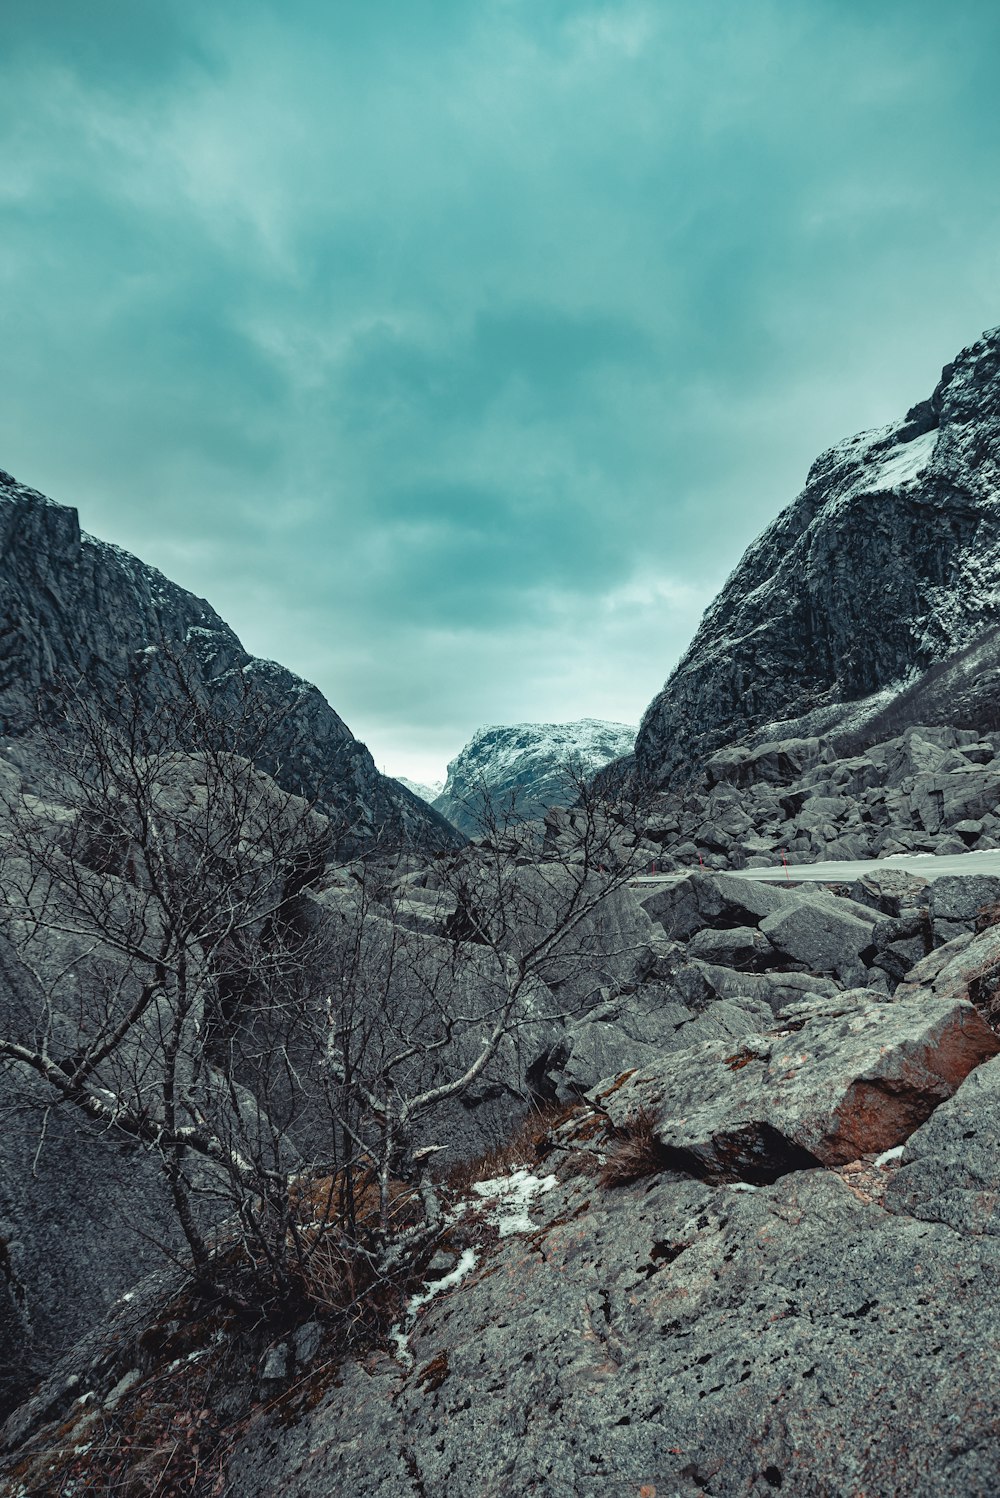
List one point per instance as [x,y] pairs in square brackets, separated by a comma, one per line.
[527,767]
[886,563]
[72,606]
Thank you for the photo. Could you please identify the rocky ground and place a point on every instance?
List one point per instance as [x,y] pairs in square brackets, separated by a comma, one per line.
[758,1252]
[927,790]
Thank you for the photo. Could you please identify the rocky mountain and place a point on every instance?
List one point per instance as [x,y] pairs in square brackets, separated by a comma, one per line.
[73,607]
[527,767]
[886,564]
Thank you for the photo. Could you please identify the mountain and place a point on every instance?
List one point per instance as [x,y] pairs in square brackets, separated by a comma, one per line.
[886,564]
[428,793]
[527,767]
[72,606]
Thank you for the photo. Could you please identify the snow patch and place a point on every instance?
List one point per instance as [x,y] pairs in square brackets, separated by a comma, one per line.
[400,1333]
[882,1160]
[509,1198]
[904,462]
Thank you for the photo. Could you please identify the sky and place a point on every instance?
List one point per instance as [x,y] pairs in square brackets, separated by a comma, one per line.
[455,350]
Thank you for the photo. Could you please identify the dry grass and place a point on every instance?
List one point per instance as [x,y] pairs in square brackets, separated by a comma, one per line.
[636,1152]
[527,1146]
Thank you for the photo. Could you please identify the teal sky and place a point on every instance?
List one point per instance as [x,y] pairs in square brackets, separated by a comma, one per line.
[456,349]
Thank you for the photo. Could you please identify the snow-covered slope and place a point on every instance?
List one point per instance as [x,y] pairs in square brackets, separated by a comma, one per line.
[428,793]
[888,562]
[527,766]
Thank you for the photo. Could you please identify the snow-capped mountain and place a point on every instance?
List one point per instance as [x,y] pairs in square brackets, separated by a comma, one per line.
[527,766]
[886,564]
[428,792]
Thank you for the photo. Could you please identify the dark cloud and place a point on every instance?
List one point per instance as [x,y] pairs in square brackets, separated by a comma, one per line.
[456,350]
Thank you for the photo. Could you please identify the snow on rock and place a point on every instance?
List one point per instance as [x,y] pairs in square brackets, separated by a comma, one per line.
[509,1198]
[400,1333]
[428,793]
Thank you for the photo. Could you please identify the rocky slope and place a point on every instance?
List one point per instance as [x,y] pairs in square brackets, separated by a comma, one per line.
[72,606]
[887,562]
[527,767]
[931,789]
[756,1254]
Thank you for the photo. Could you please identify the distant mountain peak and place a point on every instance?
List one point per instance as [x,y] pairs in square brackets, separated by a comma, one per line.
[527,765]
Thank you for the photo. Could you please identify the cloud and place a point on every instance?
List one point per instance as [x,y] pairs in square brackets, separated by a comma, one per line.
[456,350]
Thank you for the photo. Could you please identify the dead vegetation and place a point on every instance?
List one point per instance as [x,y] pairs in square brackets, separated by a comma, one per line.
[635,1152]
[527,1147]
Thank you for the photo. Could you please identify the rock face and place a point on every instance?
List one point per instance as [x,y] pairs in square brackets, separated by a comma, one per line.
[72,606]
[822,1328]
[526,767]
[887,562]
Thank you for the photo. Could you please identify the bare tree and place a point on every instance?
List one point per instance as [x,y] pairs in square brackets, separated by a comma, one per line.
[283,1039]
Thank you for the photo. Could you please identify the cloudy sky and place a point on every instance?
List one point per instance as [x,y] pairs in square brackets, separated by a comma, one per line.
[456,349]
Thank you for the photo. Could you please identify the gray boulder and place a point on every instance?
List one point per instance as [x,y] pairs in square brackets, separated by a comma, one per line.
[826,934]
[950,1170]
[844,1077]
[688,905]
[632,1031]
[891,892]
[775,989]
[734,947]
[962,897]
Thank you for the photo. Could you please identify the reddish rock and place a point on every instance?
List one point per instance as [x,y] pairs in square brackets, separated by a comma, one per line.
[840,1078]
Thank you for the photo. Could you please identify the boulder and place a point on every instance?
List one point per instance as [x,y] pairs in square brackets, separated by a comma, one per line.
[939,801]
[629,1032]
[961,897]
[890,891]
[966,968]
[688,905]
[824,933]
[896,958]
[776,989]
[841,1078]
[950,1168]
[734,947]
[775,764]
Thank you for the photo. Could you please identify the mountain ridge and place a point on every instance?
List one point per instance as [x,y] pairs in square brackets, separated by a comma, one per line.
[73,605]
[884,565]
[524,768]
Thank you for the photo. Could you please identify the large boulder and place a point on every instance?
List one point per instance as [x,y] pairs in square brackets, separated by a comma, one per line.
[826,934]
[734,946]
[962,898]
[683,907]
[631,1031]
[841,1078]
